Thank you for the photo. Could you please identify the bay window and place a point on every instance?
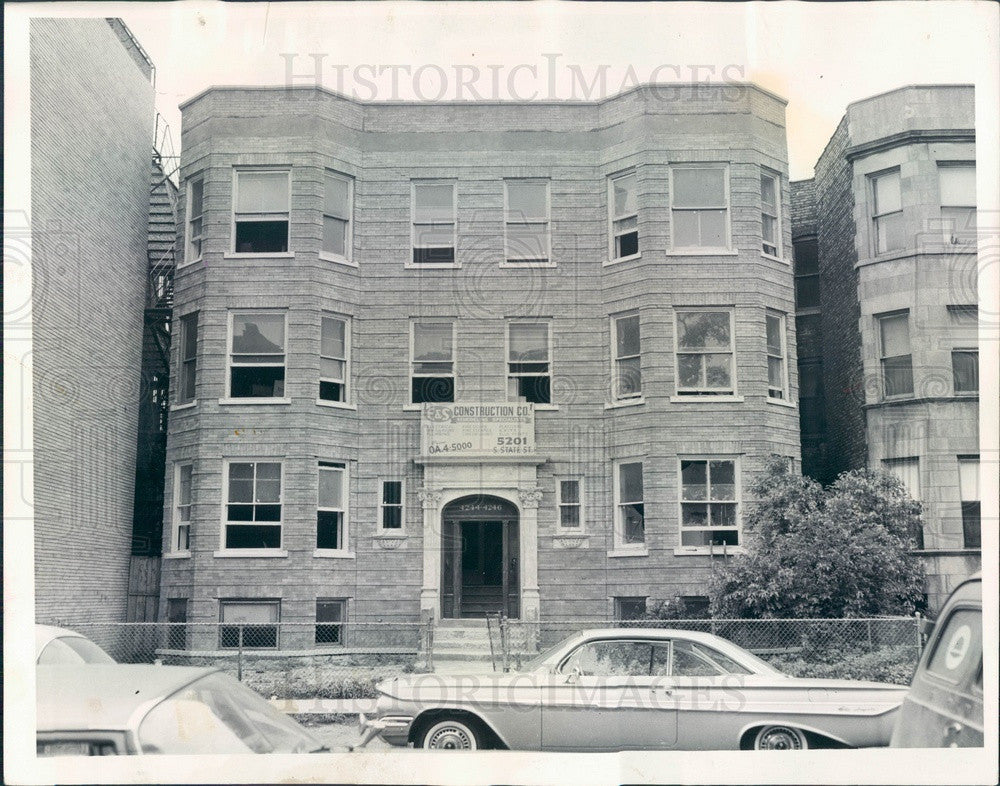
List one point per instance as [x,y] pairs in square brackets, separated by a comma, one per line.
[261,205]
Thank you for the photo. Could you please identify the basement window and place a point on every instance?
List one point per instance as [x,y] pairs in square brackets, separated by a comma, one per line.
[249,624]
[330,618]
[261,211]
[529,362]
[257,355]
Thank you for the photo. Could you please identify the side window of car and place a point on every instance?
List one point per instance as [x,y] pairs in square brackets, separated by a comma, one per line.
[610,659]
[661,660]
[959,647]
[690,661]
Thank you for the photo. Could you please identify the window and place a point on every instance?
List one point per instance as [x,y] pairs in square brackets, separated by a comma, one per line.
[809,336]
[182,508]
[338,195]
[529,362]
[249,624]
[958,652]
[331,506]
[253,505]
[526,222]
[705,353]
[177,616]
[630,608]
[333,353]
[624,216]
[195,210]
[630,519]
[691,659]
[627,361]
[433,209]
[709,503]
[390,509]
[887,212]
[770,209]
[330,618]
[699,205]
[261,211]
[257,355]
[777,367]
[188,352]
[957,183]
[968,489]
[812,413]
[965,370]
[569,503]
[611,658]
[432,362]
[907,471]
[896,360]
[806,274]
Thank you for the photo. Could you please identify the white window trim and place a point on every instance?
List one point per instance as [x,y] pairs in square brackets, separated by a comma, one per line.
[874,215]
[702,250]
[779,227]
[952,239]
[954,390]
[187,258]
[346,382]
[175,523]
[401,530]
[616,399]
[560,529]
[507,261]
[454,356]
[229,399]
[738,476]
[612,218]
[698,394]
[279,551]
[882,356]
[409,263]
[182,340]
[345,492]
[233,253]
[783,327]
[507,361]
[620,547]
[348,257]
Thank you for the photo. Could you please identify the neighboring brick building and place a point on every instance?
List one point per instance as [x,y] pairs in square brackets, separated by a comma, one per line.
[890,216]
[91,139]
[347,262]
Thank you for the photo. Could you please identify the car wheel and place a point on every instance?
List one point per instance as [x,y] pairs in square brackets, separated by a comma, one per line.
[780,738]
[451,734]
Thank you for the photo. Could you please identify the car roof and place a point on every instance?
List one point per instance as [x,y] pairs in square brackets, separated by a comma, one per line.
[46,633]
[104,696]
[653,633]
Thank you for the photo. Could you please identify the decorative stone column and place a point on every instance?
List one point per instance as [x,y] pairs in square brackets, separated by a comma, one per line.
[430,591]
[529,498]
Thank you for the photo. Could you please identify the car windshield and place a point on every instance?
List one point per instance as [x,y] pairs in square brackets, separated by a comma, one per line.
[67,650]
[218,715]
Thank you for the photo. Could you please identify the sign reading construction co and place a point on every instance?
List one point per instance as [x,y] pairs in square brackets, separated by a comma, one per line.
[477,430]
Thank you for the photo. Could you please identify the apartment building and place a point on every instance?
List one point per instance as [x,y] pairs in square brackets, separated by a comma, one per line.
[887,311]
[437,359]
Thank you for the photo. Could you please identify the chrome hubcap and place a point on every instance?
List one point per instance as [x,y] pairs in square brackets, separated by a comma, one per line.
[780,739]
[450,738]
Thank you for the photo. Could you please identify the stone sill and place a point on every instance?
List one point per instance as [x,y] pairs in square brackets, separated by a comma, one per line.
[250,553]
[629,552]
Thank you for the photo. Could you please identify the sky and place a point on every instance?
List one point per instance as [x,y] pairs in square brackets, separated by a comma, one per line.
[819,56]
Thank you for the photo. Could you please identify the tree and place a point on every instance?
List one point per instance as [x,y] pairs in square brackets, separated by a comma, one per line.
[844,551]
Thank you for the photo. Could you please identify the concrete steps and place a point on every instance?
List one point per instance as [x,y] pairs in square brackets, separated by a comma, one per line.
[463,647]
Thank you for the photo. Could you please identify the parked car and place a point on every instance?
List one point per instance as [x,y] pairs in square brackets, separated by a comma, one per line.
[61,646]
[614,689]
[944,707]
[103,710]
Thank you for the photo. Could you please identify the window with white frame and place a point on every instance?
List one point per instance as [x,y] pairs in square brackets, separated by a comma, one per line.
[333,354]
[777,355]
[704,352]
[709,502]
[895,359]
[433,209]
[331,507]
[529,362]
[907,471]
[770,209]
[627,357]
[331,616]
[338,200]
[623,211]
[699,207]
[390,507]
[253,505]
[187,357]
[968,487]
[181,541]
[957,185]
[887,211]
[630,516]
[432,362]
[249,624]
[569,503]
[195,215]
[261,205]
[257,354]
[527,237]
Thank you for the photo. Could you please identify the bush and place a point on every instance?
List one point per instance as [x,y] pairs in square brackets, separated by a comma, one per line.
[886,664]
[307,682]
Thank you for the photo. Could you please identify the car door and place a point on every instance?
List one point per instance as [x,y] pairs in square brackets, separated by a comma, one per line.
[601,699]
